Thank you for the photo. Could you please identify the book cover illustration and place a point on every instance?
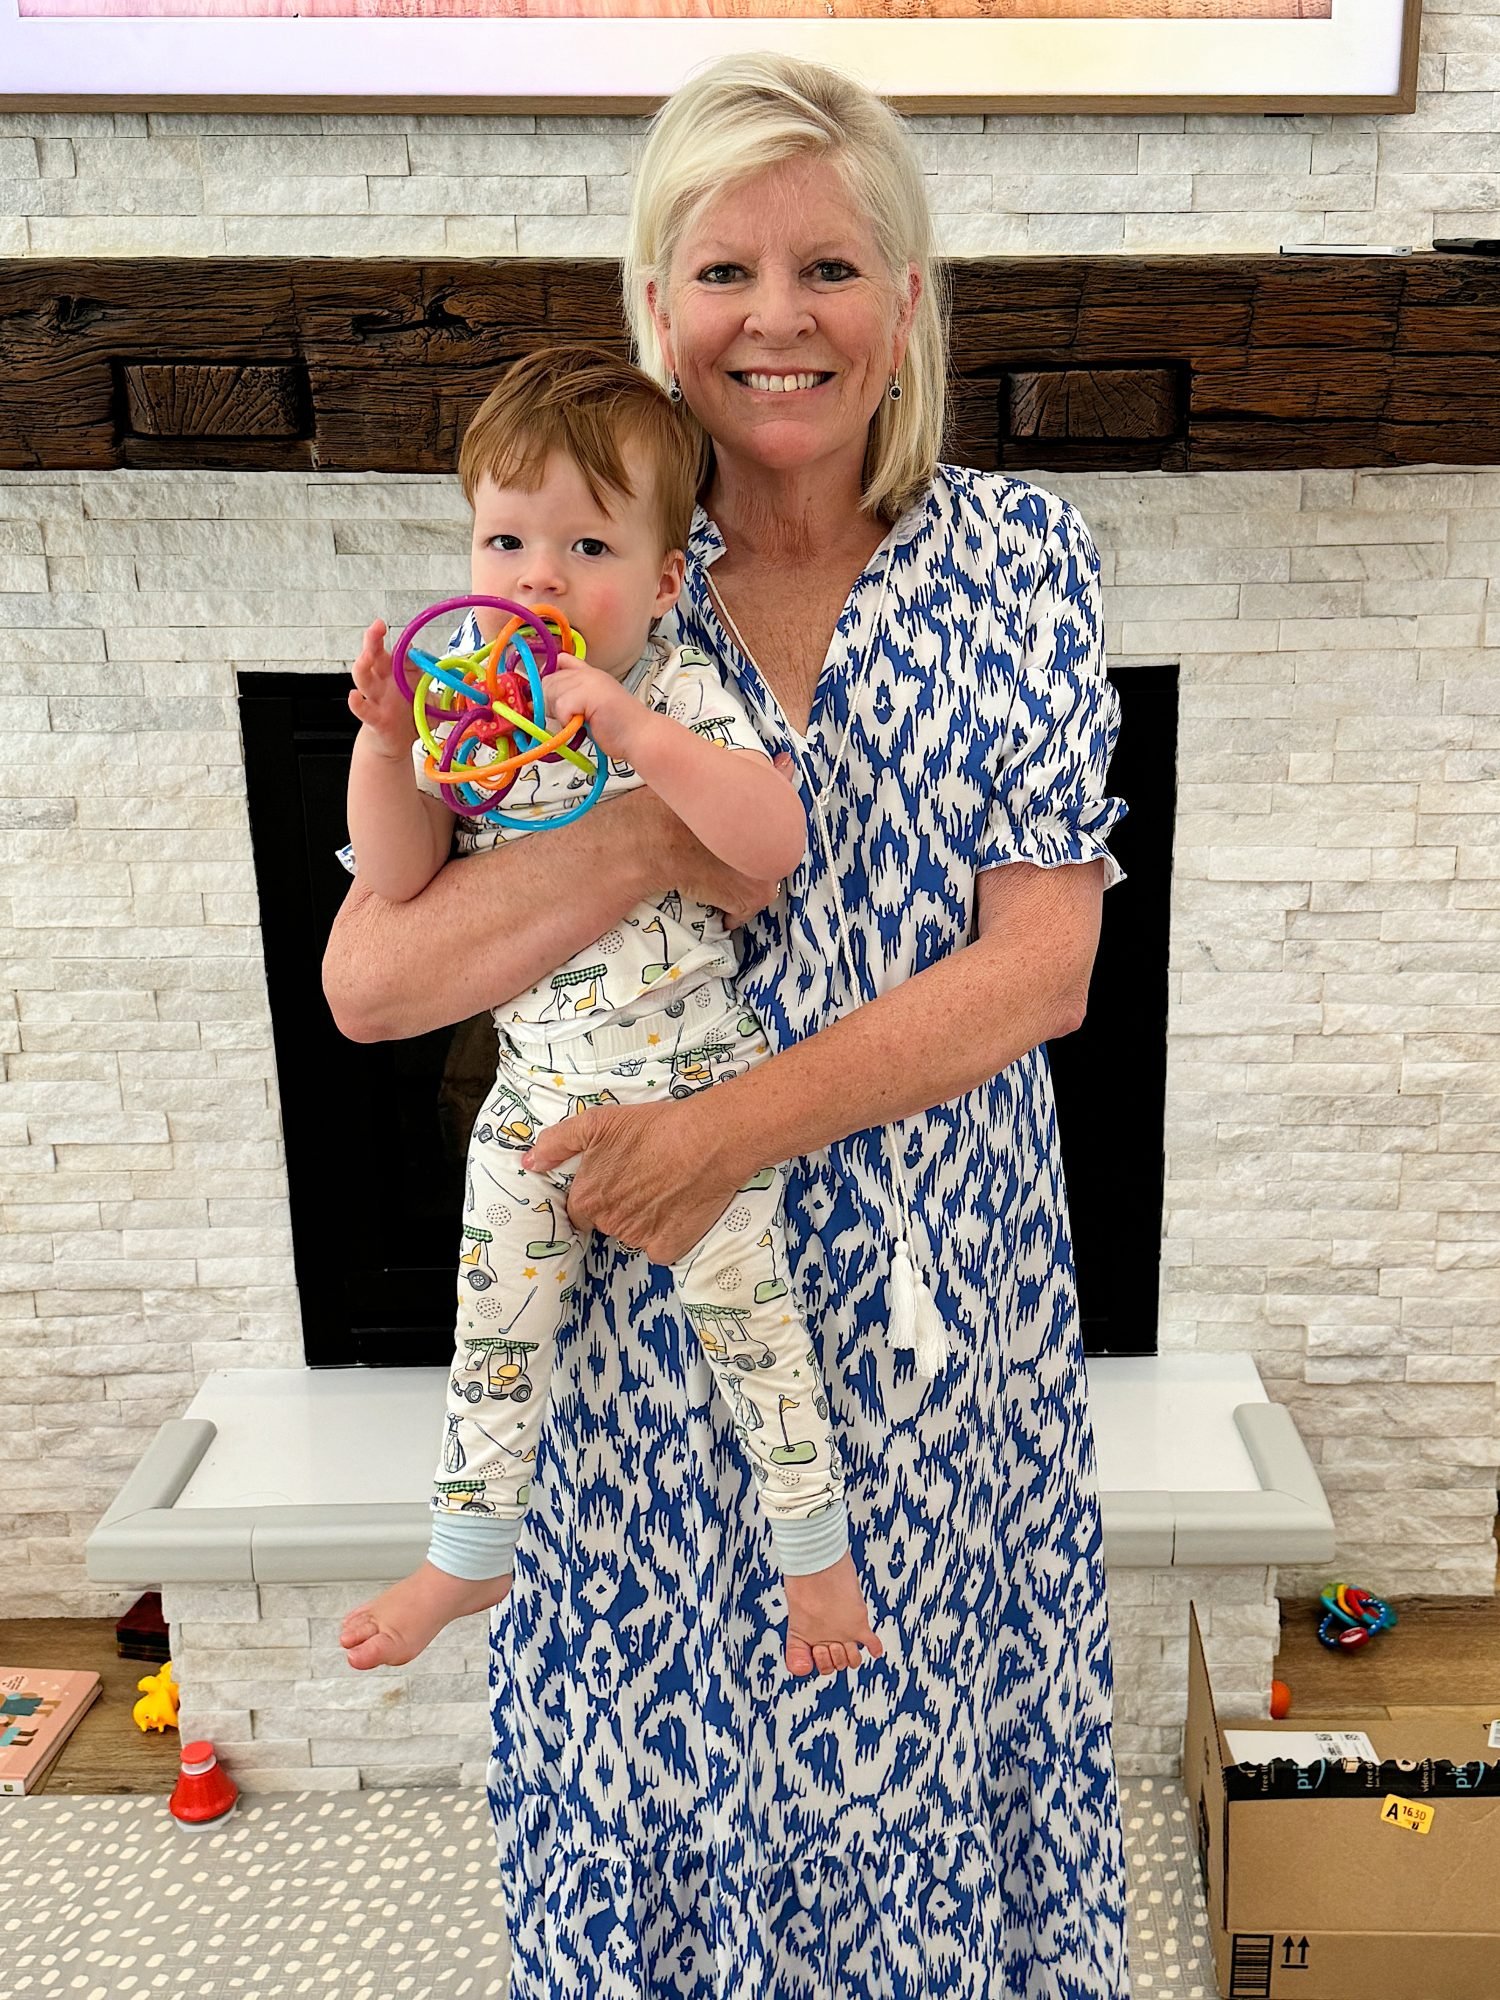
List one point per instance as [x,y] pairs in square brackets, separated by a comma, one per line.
[38,1713]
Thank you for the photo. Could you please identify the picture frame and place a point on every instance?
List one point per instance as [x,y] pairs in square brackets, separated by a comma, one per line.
[603,56]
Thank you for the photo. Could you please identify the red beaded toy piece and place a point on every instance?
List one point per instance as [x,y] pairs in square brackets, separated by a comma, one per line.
[1352,1617]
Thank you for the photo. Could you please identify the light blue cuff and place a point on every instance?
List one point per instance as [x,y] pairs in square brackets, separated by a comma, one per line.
[473,1546]
[801,1547]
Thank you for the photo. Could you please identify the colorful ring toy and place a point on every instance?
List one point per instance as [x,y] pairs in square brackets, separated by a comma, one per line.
[492,701]
[1352,1617]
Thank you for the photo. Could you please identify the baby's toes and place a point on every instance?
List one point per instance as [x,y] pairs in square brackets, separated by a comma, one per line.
[799,1659]
[365,1644]
[358,1625]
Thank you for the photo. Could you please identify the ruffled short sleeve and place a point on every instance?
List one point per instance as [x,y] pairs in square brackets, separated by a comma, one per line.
[1050,805]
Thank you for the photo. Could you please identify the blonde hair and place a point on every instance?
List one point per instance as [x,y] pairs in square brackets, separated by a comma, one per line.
[729,123]
[585,402]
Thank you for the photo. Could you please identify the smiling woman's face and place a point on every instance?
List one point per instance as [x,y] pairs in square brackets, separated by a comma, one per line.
[781,320]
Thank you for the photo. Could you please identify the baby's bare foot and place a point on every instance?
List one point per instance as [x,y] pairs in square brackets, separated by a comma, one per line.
[395,1626]
[828,1621]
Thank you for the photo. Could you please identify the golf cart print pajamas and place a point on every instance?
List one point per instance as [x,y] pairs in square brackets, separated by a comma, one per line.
[647,1011]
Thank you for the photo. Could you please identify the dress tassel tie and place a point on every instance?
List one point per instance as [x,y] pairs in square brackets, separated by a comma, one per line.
[915,1320]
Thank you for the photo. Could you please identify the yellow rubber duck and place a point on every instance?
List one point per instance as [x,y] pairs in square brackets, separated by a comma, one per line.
[157,1708]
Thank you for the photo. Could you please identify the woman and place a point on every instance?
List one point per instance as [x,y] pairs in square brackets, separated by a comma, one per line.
[675,1813]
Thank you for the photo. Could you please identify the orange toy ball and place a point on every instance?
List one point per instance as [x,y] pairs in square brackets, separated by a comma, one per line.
[1281,1700]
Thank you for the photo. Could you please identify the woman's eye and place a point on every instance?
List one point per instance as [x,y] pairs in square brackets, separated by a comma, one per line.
[717,274]
[832,269]
[590,545]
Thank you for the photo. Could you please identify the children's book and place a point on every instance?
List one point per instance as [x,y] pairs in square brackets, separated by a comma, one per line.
[38,1713]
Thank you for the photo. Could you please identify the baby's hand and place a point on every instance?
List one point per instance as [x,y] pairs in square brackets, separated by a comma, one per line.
[613,716]
[377,701]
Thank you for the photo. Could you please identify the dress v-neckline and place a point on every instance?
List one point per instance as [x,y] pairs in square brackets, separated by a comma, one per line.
[710,544]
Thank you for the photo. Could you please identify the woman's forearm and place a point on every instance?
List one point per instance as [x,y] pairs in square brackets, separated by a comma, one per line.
[935,1036]
[490,925]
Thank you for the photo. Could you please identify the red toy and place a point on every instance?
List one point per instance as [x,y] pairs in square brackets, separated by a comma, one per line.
[204,1794]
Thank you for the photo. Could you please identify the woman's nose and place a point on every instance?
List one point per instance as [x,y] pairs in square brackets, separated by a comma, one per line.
[778,310]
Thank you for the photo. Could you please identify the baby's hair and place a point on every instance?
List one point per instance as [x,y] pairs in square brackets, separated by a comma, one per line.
[584,401]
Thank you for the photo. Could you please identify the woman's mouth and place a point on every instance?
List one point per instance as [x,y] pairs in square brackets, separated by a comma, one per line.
[779,385]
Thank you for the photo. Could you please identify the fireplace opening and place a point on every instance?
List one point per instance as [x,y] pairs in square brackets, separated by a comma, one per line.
[376,1133]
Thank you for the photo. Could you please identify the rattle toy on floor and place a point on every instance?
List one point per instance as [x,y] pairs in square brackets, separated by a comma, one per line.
[1352,1617]
[492,700]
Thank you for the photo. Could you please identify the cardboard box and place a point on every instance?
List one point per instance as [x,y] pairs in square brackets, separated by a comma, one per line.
[1333,1880]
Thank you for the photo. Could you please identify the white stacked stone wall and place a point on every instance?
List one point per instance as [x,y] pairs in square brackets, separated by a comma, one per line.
[260,184]
[264,1678]
[268,1685]
[1332,1021]
[1333,1183]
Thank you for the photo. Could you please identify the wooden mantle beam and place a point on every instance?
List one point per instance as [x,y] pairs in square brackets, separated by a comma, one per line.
[1075,363]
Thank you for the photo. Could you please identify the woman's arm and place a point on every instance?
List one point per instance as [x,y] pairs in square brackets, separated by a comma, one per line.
[1022,981]
[659,1175]
[489,925]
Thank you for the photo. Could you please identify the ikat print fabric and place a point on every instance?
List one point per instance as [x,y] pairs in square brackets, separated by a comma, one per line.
[677,1819]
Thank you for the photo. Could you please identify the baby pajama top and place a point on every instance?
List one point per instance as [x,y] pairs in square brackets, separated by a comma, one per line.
[670,943]
[644,1011]
[675,1814]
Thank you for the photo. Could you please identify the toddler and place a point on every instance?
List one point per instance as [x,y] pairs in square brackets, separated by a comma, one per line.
[582,481]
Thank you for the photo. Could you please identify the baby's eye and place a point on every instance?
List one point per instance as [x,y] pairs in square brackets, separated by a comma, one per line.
[590,545]
[507,541]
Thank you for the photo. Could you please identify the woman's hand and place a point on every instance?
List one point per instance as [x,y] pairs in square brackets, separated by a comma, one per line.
[645,1176]
[378,702]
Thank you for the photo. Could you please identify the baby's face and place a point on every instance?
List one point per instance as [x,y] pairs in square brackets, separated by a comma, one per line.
[602,566]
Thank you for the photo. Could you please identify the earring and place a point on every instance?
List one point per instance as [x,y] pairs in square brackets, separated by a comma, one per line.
[674,390]
[894,392]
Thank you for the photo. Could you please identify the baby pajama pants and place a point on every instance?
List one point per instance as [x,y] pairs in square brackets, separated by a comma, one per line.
[520,1259]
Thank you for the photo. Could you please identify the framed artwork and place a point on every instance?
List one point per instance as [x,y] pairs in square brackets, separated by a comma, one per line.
[466,56]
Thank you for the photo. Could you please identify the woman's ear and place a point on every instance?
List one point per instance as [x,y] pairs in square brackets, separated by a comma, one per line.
[661,323]
[905,317]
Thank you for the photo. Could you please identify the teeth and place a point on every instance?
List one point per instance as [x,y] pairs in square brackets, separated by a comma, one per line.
[776,383]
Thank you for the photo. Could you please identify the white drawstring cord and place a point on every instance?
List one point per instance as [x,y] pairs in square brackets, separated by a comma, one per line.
[915,1321]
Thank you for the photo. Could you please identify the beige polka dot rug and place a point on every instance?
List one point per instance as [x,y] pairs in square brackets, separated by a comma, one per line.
[380,1895]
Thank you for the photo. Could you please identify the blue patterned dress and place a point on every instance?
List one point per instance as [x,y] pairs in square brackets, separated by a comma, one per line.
[677,1816]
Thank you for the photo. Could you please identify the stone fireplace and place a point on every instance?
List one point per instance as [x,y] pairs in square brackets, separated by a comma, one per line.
[1292,470]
